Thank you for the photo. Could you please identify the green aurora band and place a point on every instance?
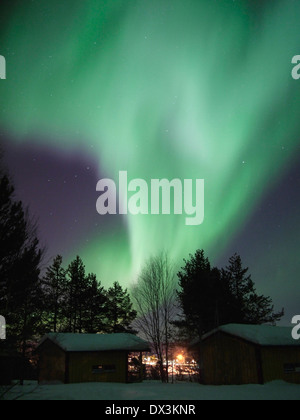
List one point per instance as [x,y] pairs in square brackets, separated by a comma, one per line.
[162,89]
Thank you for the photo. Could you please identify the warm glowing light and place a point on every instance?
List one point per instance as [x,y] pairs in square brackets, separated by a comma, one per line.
[180,357]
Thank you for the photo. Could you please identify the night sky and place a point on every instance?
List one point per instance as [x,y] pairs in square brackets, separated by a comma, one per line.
[196,89]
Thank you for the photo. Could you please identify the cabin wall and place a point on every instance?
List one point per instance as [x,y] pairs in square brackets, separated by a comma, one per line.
[112,366]
[51,364]
[281,363]
[229,360]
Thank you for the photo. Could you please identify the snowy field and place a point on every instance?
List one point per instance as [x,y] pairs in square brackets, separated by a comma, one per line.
[154,391]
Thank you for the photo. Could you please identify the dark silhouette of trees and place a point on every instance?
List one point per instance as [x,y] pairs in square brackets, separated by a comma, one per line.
[200,295]
[95,312]
[55,289]
[210,297]
[77,302]
[248,306]
[119,311]
[20,260]
[77,286]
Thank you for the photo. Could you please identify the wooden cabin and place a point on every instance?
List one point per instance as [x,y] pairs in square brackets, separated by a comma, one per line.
[74,358]
[249,354]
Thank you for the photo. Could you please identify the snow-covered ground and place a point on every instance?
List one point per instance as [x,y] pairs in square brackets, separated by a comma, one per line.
[154,391]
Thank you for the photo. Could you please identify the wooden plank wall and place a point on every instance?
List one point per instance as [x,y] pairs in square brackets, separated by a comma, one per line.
[51,364]
[231,360]
[81,366]
[228,360]
[275,358]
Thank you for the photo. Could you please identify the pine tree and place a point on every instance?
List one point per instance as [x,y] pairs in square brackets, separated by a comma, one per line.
[249,307]
[20,259]
[95,313]
[201,296]
[119,311]
[55,289]
[210,297]
[76,295]
[13,236]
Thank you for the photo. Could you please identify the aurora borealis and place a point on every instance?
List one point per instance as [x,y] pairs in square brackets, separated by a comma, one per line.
[195,89]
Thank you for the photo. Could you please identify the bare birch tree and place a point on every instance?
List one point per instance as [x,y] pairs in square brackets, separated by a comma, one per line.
[154,297]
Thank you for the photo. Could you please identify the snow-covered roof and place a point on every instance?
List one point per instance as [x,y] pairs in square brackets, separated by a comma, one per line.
[264,335]
[96,342]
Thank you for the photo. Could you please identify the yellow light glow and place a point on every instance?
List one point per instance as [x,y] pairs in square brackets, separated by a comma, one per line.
[180,357]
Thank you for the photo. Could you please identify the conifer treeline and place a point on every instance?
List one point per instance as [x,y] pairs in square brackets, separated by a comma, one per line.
[210,297]
[77,302]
